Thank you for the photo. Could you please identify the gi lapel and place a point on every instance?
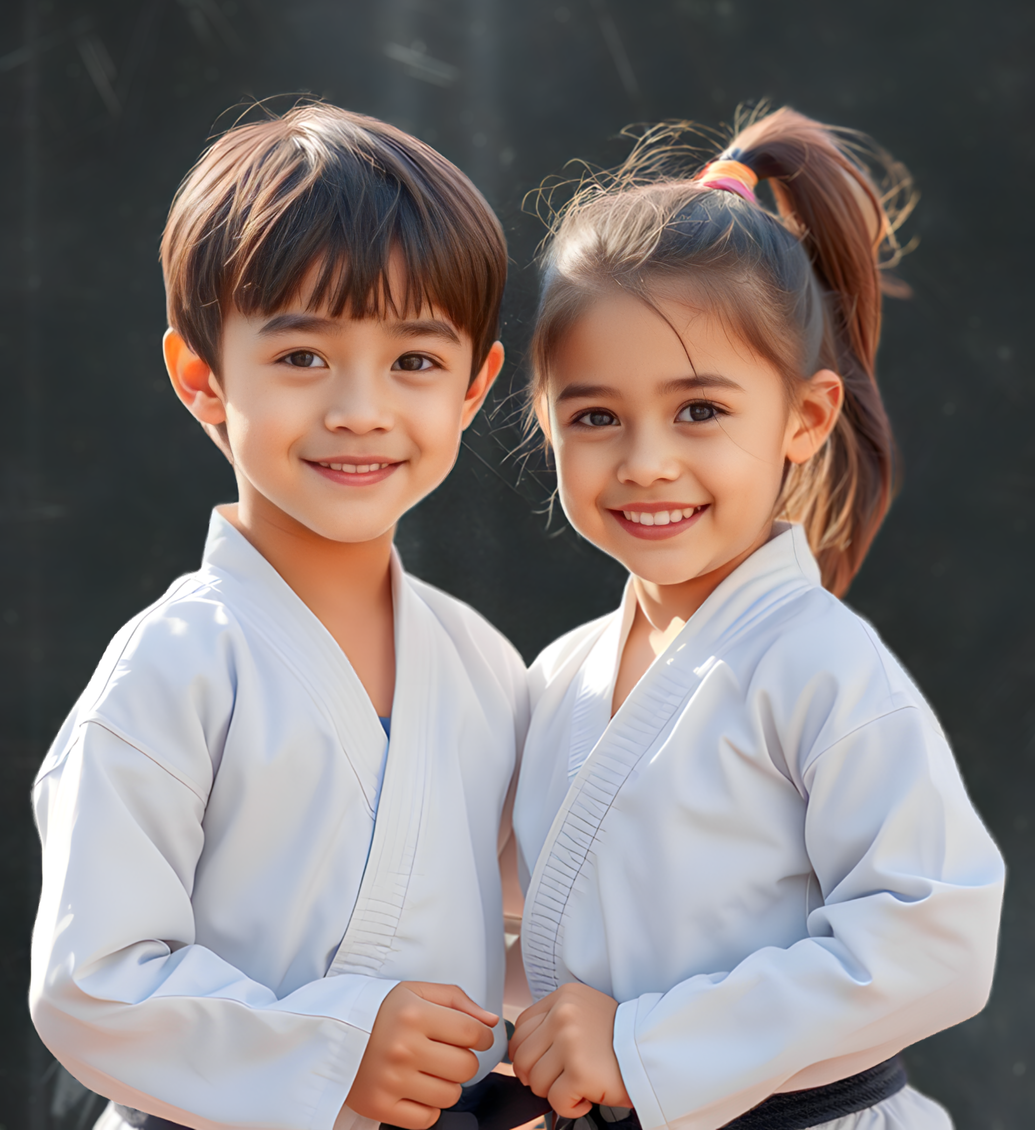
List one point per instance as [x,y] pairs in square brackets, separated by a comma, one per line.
[276,612]
[382,893]
[628,737]
[591,710]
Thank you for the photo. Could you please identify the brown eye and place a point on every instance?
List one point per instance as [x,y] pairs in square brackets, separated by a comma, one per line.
[699,412]
[304,359]
[412,363]
[597,418]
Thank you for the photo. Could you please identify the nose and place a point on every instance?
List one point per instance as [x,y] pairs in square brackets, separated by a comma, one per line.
[358,404]
[648,458]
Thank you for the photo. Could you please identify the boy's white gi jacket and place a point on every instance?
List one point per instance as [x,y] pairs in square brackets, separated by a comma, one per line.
[767,856]
[221,917]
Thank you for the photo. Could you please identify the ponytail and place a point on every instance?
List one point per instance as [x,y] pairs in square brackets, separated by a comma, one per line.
[802,286]
[825,197]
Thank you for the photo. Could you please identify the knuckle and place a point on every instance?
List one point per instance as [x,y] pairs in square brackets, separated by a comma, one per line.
[566,1013]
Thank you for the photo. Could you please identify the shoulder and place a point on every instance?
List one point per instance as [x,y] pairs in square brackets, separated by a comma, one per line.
[820,671]
[168,677]
[818,633]
[186,632]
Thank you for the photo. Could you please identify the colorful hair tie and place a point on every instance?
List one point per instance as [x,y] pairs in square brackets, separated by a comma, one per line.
[733,176]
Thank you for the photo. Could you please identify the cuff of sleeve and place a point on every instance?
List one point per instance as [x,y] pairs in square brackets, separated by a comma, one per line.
[348,1049]
[368,1003]
[634,1076]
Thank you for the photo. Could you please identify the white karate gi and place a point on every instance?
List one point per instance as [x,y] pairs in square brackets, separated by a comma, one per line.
[767,856]
[221,916]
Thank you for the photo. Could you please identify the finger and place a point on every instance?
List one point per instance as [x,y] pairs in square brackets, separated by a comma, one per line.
[455,1065]
[567,1096]
[535,1045]
[567,1106]
[452,996]
[448,1026]
[541,1007]
[411,1115]
[545,1072]
[429,1090]
[522,1030]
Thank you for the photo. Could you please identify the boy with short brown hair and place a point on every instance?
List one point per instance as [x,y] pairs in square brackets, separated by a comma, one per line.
[270,893]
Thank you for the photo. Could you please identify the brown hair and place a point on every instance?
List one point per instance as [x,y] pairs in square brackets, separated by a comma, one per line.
[801,286]
[324,187]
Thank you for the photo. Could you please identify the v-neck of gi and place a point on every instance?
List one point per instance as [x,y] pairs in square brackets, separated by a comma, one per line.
[781,560]
[610,749]
[306,646]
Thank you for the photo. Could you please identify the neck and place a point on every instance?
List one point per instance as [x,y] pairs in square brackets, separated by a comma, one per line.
[331,577]
[668,607]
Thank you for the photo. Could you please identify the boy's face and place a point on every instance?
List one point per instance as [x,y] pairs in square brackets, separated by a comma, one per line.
[338,424]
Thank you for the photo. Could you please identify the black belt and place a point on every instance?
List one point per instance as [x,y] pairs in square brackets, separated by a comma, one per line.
[497,1102]
[141,1121]
[787,1110]
[501,1102]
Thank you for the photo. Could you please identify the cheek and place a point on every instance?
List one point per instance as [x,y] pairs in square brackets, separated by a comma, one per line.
[433,423]
[582,469]
[255,430]
[748,480]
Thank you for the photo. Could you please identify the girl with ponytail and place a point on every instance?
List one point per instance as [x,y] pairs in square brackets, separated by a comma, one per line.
[753,875]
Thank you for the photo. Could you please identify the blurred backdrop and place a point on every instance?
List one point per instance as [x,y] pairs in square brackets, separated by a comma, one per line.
[107,482]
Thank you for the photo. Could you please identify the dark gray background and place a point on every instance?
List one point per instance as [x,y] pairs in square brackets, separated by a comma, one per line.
[107,482]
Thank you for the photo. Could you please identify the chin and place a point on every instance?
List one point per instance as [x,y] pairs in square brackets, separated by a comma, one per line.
[349,533]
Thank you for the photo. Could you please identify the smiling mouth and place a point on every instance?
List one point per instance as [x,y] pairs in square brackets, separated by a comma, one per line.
[353,468]
[661,517]
[658,524]
[365,472]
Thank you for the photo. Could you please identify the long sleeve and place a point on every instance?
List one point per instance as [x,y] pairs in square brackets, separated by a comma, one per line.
[901,940]
[126,997]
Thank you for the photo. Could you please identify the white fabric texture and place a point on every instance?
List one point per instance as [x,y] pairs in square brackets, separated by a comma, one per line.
[767,856]
[221,915]
[908,1110]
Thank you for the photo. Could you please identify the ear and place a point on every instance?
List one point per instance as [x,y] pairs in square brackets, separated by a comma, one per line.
[814,416]
[478,389]
[541,407]
[196,385]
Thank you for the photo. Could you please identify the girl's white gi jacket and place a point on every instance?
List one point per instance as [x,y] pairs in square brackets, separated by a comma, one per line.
[221,916]
[767,856]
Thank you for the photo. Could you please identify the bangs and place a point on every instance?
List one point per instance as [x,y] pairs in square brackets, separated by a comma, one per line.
[329,201]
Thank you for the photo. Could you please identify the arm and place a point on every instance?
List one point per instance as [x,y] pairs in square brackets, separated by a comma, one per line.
[124,995]
[901,945]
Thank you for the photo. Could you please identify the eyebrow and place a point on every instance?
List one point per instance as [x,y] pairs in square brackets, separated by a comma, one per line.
[423,327]
[316,323]
[679,384]
[293,323]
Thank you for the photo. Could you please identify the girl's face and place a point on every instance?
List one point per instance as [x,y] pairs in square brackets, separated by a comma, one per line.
[674,468]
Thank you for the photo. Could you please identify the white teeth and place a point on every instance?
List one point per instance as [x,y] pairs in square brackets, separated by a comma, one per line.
[662,518]
[354,468]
